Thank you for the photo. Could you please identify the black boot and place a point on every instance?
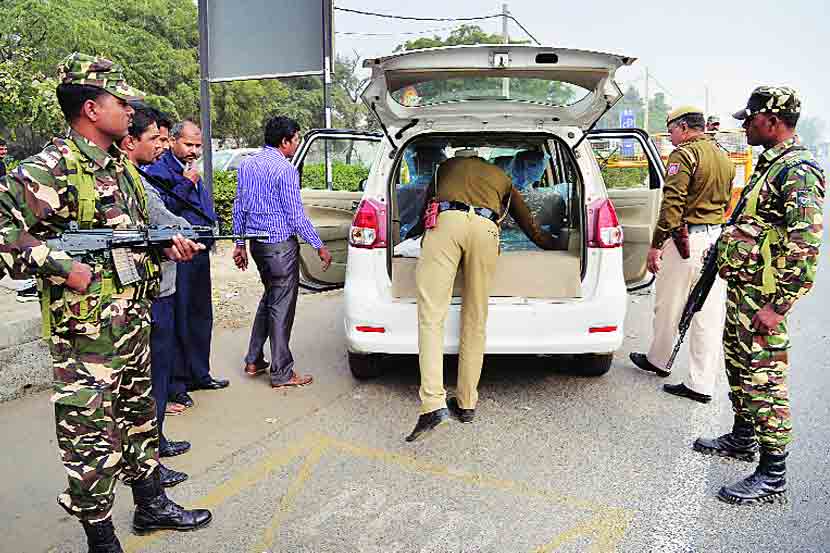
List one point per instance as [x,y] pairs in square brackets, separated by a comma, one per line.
[100,536]
[155,511]
[766,485]
[740,444]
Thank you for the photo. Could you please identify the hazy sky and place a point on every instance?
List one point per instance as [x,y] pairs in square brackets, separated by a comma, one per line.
[729,46]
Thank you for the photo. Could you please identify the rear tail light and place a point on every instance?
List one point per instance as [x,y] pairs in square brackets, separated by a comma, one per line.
[368,228]
[601,329]
[376,329]
[606,229]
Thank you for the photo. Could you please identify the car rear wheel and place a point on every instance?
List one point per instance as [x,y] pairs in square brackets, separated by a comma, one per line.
[364,366]
[592,364]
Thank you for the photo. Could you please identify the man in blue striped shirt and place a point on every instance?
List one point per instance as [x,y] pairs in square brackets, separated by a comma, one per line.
[268,200]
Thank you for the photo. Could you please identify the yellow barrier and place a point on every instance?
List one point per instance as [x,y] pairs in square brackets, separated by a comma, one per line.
[732,141]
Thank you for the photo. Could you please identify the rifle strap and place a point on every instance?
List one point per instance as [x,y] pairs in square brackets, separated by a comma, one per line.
[158,183]
[772,235]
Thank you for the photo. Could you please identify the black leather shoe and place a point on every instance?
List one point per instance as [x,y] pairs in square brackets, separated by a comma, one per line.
[429,422]
[172,449]
[100,536]
[214,384]
[183,398]
[155,511]
[169,477]
[463,415]
[643,363]
[682,391]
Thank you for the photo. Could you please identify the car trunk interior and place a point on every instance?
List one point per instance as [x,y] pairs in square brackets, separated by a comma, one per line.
[544,171]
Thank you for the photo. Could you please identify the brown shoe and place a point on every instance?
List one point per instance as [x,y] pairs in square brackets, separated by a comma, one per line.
[294,381]
[256,369]
[172,409]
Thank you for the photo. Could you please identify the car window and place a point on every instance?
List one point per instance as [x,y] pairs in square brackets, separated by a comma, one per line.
[350,163]
[442,89]
[237,159]
[622,161]
[220,159]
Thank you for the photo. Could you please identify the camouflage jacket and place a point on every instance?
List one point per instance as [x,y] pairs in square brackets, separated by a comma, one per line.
[788,218]
[37,202]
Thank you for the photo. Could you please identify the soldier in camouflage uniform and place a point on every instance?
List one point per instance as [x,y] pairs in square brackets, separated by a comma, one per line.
[768,258]
[98,330]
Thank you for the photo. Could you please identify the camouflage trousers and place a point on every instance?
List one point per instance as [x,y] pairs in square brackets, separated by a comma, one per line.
[104,413]
[756,367]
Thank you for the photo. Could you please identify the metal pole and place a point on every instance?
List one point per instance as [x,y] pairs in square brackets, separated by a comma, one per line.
[645,115]
[327,61]
[505,83]
[204,98]
[706,107]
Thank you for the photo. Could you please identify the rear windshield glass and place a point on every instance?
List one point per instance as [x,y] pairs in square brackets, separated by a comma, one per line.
[470,89]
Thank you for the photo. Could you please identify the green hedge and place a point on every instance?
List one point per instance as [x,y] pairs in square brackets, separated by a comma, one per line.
[345,178]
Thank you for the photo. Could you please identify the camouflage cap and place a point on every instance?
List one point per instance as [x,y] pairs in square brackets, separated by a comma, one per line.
[89,70]
[771,99]
[681,111]
[713,119]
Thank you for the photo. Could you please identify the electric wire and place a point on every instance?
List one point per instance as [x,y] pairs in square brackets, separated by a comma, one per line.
[424,32]
[411,18]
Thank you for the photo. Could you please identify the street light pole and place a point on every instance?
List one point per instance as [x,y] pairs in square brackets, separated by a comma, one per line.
[505,82]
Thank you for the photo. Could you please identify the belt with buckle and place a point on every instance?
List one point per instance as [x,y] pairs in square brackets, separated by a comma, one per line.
[702,228]
[452,205]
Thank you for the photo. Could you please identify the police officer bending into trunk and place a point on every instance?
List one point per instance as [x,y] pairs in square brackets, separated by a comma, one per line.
[472,193]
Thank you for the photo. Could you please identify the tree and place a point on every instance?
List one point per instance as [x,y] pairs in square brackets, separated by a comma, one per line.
[465,34]
[632,101]
[658,110]
[811,131]
[156,41]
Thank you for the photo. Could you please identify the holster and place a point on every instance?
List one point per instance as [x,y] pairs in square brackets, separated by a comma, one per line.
[680,236]
[431,214]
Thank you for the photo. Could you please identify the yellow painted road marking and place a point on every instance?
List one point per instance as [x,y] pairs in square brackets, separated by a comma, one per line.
[287,502]
[232,487]
[605,528]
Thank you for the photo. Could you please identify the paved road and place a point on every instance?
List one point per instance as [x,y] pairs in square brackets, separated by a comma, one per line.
[554,462]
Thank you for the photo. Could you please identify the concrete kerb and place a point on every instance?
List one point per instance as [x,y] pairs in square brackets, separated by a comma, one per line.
[25,364]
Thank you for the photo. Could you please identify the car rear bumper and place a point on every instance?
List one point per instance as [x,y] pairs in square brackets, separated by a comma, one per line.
[534,327]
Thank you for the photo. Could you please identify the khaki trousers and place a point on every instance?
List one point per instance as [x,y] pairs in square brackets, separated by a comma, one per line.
[458,238]
[674,282]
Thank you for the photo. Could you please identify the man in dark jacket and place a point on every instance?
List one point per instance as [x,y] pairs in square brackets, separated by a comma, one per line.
[194,310]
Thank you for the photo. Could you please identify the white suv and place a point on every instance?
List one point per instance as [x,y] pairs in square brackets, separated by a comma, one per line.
[529,110]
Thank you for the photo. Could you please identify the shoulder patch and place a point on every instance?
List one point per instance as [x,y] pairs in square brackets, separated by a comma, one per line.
[805,197]
[673,169]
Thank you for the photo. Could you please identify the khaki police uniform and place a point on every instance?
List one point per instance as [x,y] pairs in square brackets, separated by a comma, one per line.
[460,238]
[696,192]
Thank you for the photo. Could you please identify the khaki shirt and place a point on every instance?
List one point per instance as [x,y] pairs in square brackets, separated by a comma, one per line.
[473,181]
[698,186]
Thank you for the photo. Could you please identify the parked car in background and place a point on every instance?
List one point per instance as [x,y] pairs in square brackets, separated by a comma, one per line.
[227,160]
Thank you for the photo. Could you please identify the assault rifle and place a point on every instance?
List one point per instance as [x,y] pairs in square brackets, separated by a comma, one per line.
[118,243]
[704,283]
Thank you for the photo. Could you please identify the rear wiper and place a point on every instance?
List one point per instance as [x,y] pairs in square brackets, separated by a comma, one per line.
[394,151]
